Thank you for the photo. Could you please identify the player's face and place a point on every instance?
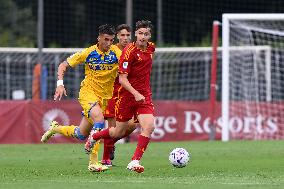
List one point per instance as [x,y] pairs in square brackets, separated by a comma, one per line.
[124,37]
[105,41]
[142,35]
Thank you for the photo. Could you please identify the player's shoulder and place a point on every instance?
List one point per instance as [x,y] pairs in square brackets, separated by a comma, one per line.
[151,46]
[91,48]
[130,48]
[85,51]
[115,48]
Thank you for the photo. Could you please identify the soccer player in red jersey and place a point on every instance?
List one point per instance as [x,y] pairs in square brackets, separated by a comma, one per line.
[124,38]
[134,95]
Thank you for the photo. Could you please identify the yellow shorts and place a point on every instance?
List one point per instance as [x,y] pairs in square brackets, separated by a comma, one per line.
[88,99]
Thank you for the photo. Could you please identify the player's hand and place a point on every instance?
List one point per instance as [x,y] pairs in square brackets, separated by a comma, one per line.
[59,92]
[139,97]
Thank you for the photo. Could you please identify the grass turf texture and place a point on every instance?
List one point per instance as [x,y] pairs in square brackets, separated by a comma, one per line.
[237,164]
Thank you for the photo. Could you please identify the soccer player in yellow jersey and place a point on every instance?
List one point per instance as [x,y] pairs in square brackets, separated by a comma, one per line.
[101,68]
[124,38]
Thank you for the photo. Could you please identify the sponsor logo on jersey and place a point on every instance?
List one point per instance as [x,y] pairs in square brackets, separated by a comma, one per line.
[125,65]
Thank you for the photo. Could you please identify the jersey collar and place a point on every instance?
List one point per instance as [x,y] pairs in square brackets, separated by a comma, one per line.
[101,52]
[146,50]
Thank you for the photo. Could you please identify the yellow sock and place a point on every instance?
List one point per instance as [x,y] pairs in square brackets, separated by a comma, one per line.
[94,154]
[67,130]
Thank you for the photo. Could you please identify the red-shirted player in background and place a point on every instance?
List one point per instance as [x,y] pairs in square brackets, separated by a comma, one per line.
[134,97]
[124,38]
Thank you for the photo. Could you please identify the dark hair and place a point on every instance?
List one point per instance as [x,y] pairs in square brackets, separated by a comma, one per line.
[107,29]
[144,24]
[122,27]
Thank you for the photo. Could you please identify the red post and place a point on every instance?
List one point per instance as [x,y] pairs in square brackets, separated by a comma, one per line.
[213,85]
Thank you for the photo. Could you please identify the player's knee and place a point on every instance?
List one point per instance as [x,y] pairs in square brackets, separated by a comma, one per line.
[131,127]
[96,114]
[78,134]
[149,128]
[130,130]
[117,133]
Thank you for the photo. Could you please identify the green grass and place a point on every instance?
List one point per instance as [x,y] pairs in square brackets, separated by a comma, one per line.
[237,164]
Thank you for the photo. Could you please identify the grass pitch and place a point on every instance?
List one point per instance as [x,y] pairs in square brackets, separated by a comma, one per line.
[237,164]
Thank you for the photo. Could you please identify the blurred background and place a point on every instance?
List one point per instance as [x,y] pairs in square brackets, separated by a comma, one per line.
[74,23]
[37,35]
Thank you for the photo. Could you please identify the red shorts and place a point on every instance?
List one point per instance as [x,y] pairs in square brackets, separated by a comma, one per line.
[110,109]
[126,107]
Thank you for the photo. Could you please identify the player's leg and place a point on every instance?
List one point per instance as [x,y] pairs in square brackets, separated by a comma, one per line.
[145,117]
[68,130]
[87,100]
[147,124]
[114,132]
[111,122]
[131,126]
[94,164]
[92,110]
[109,147]
[123,115]
[109,115]
[97,117]
[95,114]
[82,131]
[110,142]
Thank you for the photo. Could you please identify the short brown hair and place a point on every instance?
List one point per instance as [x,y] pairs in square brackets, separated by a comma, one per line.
[122,27]
[144,24]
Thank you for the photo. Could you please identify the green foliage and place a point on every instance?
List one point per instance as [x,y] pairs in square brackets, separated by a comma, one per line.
[238,164]
[18,24]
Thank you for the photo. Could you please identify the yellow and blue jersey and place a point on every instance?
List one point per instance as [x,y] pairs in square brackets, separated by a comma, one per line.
[101,69]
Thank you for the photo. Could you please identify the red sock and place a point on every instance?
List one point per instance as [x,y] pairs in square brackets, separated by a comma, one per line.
[141,147]
[102,134]
[108,145]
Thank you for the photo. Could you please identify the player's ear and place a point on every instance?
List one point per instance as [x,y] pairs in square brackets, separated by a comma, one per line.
[135,33]
[98,38]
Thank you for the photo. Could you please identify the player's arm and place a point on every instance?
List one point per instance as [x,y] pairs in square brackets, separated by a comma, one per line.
[124,68]
[126,84]
[71,61]
[60,89]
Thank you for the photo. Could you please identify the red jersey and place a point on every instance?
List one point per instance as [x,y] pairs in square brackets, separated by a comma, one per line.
[137,64]
[116,82]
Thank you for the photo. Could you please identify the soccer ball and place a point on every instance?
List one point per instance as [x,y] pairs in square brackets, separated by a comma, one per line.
[179,157]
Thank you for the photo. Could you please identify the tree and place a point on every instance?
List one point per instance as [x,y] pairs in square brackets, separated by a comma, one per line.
[18,24]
